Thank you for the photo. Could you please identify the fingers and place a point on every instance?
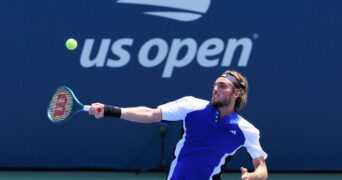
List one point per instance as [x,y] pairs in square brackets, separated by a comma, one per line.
[244,173]
[245,177]
[97,110]
[243,170]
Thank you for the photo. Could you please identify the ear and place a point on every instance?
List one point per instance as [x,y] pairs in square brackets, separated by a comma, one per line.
[237,93]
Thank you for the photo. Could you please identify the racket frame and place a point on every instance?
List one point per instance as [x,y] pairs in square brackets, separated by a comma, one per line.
[77,106]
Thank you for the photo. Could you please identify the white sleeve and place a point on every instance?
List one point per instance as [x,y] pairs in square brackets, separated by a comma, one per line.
[252,143]
[177,110]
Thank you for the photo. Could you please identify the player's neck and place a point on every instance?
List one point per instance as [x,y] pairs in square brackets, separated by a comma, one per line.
[226,110]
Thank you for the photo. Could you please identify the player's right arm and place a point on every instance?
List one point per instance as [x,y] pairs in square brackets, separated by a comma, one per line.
[141,114]
[136,114]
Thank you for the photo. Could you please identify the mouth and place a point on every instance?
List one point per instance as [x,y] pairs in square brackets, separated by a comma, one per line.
[214,97]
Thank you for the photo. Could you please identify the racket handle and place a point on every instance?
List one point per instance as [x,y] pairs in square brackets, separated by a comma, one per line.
[86,108]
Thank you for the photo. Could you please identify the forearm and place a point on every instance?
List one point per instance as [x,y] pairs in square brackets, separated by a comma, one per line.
[135,114]
[141,114]
[259,174]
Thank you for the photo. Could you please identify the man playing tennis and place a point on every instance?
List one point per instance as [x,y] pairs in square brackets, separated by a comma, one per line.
[212,130]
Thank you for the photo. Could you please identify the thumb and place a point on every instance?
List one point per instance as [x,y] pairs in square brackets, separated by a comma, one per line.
[243,170]
[244,173]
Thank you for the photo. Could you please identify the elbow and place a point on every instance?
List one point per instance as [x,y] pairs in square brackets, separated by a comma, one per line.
[261,176]
[261,172]
[264,174]
[154,116]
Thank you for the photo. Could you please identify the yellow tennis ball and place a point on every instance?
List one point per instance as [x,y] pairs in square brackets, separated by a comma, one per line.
[71,44]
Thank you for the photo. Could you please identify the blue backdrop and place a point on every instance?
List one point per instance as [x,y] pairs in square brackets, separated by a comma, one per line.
[133,54]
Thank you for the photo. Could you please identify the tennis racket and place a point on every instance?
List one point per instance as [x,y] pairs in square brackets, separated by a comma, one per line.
[63,105]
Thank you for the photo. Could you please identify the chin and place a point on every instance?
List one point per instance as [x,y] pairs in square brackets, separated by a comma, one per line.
[216,104]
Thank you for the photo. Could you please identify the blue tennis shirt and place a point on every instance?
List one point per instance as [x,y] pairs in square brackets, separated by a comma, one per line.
[207,140]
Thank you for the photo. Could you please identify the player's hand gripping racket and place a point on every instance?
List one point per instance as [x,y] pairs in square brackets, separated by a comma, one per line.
[64,104]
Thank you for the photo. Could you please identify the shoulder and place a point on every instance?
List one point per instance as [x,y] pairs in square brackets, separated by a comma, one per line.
[178,109]
[192,101]
[248,128]
[188,103]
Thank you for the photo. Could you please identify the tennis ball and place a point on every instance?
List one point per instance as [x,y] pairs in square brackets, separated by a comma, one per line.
[71,44]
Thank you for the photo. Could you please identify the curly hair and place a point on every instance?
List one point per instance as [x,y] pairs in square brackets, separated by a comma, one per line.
[242,100]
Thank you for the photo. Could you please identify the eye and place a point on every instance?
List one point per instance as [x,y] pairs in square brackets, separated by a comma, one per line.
[222,86]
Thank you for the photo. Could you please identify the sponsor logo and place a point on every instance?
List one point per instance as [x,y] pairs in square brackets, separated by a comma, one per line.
[181,10]
[233,132]
[170,54]
[176,53]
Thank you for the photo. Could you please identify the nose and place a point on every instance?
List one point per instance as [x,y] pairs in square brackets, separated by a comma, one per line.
[215,89]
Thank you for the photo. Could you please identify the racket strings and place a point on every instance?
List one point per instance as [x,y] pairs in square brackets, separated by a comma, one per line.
[60,105]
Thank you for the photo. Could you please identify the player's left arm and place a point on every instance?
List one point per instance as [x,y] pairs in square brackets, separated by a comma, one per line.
[260,170]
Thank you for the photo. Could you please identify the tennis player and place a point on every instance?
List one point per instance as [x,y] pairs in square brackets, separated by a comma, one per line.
[213,130]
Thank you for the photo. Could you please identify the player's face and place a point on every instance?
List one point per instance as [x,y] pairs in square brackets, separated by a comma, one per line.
[222,93]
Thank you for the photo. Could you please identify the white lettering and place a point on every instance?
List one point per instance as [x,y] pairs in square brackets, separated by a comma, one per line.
[100,58]
[246,45]
[210,47]
[118,50]
[172,59]
[145,49]
[180,54]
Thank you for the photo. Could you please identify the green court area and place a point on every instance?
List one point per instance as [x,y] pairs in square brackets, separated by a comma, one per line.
[107,175]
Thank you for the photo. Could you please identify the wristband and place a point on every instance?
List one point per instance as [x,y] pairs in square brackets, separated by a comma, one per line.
[112,111]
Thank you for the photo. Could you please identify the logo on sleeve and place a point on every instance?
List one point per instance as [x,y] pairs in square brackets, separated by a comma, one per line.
[181,10]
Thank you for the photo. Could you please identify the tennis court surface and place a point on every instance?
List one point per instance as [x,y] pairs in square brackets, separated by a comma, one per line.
[108,175]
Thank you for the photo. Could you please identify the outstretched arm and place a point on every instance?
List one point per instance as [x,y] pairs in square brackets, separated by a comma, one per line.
[260,171]
[136,114]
